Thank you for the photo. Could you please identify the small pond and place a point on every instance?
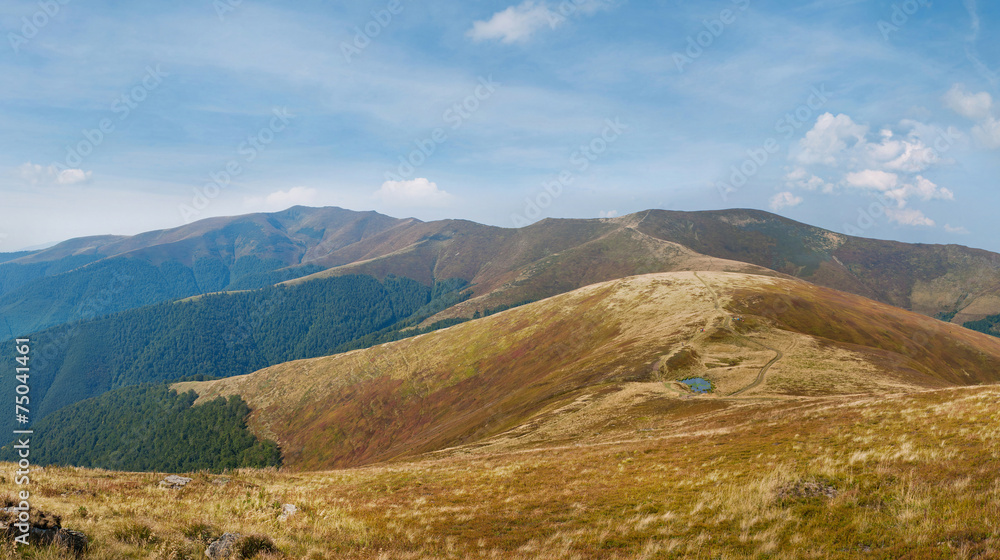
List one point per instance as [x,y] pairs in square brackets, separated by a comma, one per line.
[698,384]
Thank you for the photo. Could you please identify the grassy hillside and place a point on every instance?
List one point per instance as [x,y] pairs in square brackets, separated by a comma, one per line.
[840,478]
[478,379]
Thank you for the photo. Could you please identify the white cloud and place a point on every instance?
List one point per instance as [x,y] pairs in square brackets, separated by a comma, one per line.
[828,138]
[872,179]
[279,200]
[908,217]
[608,213]
[785,200]
[973,106]
[35,174]
[956,229]
[908,155]
[837,152]
[921,188]
[516,23]
[72,176]
[889,183]
[799,178]
[417,192]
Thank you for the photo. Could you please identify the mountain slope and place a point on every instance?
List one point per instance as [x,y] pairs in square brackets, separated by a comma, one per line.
[94,276]
[506,266]
[520,367]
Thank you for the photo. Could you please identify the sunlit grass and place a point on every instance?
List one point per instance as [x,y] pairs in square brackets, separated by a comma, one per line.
[915,476]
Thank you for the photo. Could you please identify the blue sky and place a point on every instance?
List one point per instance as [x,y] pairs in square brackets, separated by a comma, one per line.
[868,117]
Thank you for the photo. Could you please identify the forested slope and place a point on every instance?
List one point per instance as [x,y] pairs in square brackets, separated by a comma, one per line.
[222,335]
[152,429]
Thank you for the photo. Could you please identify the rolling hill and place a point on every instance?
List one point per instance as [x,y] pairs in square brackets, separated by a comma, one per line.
[551,371]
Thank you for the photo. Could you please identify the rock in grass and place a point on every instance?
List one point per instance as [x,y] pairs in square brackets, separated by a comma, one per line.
[46,529]
[74,541]
[802,489]
[224,546]
[174,482]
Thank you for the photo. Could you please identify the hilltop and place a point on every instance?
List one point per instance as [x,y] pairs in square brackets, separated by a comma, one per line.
[547,371]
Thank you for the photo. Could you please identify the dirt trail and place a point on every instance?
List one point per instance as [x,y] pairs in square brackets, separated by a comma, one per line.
[778,354]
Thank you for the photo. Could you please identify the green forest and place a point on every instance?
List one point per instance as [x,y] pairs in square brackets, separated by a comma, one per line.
[41,295]
[152,428]
[222,335]
[989,325]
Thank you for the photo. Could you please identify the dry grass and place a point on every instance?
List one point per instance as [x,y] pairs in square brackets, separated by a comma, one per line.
[915,477]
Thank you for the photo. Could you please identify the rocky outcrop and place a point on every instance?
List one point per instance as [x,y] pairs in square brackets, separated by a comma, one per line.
[174,482]
[224,547]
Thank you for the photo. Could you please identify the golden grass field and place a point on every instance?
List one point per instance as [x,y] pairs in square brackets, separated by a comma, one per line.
[558,431]
[915,477]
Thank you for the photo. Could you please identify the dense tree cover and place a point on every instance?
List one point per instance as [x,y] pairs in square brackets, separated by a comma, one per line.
[41,295]
[151,428]
[15,275]
[4,257]
[989,325]
[222,335]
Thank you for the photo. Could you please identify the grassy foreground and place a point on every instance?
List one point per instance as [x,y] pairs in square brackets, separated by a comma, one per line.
[899,476]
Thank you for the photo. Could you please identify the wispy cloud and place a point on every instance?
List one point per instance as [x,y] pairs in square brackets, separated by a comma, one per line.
[35,175]
[976,107]
[971,50]
[517,24]
[417,192]
[279,200]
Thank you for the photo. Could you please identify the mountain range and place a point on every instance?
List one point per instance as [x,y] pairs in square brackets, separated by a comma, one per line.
[226,297]
[342,384]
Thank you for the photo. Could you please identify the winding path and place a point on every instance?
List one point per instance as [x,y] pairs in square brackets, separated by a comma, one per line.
[778,354]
